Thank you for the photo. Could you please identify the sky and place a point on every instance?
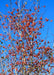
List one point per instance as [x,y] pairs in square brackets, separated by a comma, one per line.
[49,13]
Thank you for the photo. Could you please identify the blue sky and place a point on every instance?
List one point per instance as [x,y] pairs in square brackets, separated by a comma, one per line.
[49,13]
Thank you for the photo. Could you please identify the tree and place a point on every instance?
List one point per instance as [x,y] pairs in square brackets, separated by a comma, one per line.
[22,50]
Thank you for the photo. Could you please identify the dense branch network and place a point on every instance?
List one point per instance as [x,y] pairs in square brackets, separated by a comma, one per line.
[22,50]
